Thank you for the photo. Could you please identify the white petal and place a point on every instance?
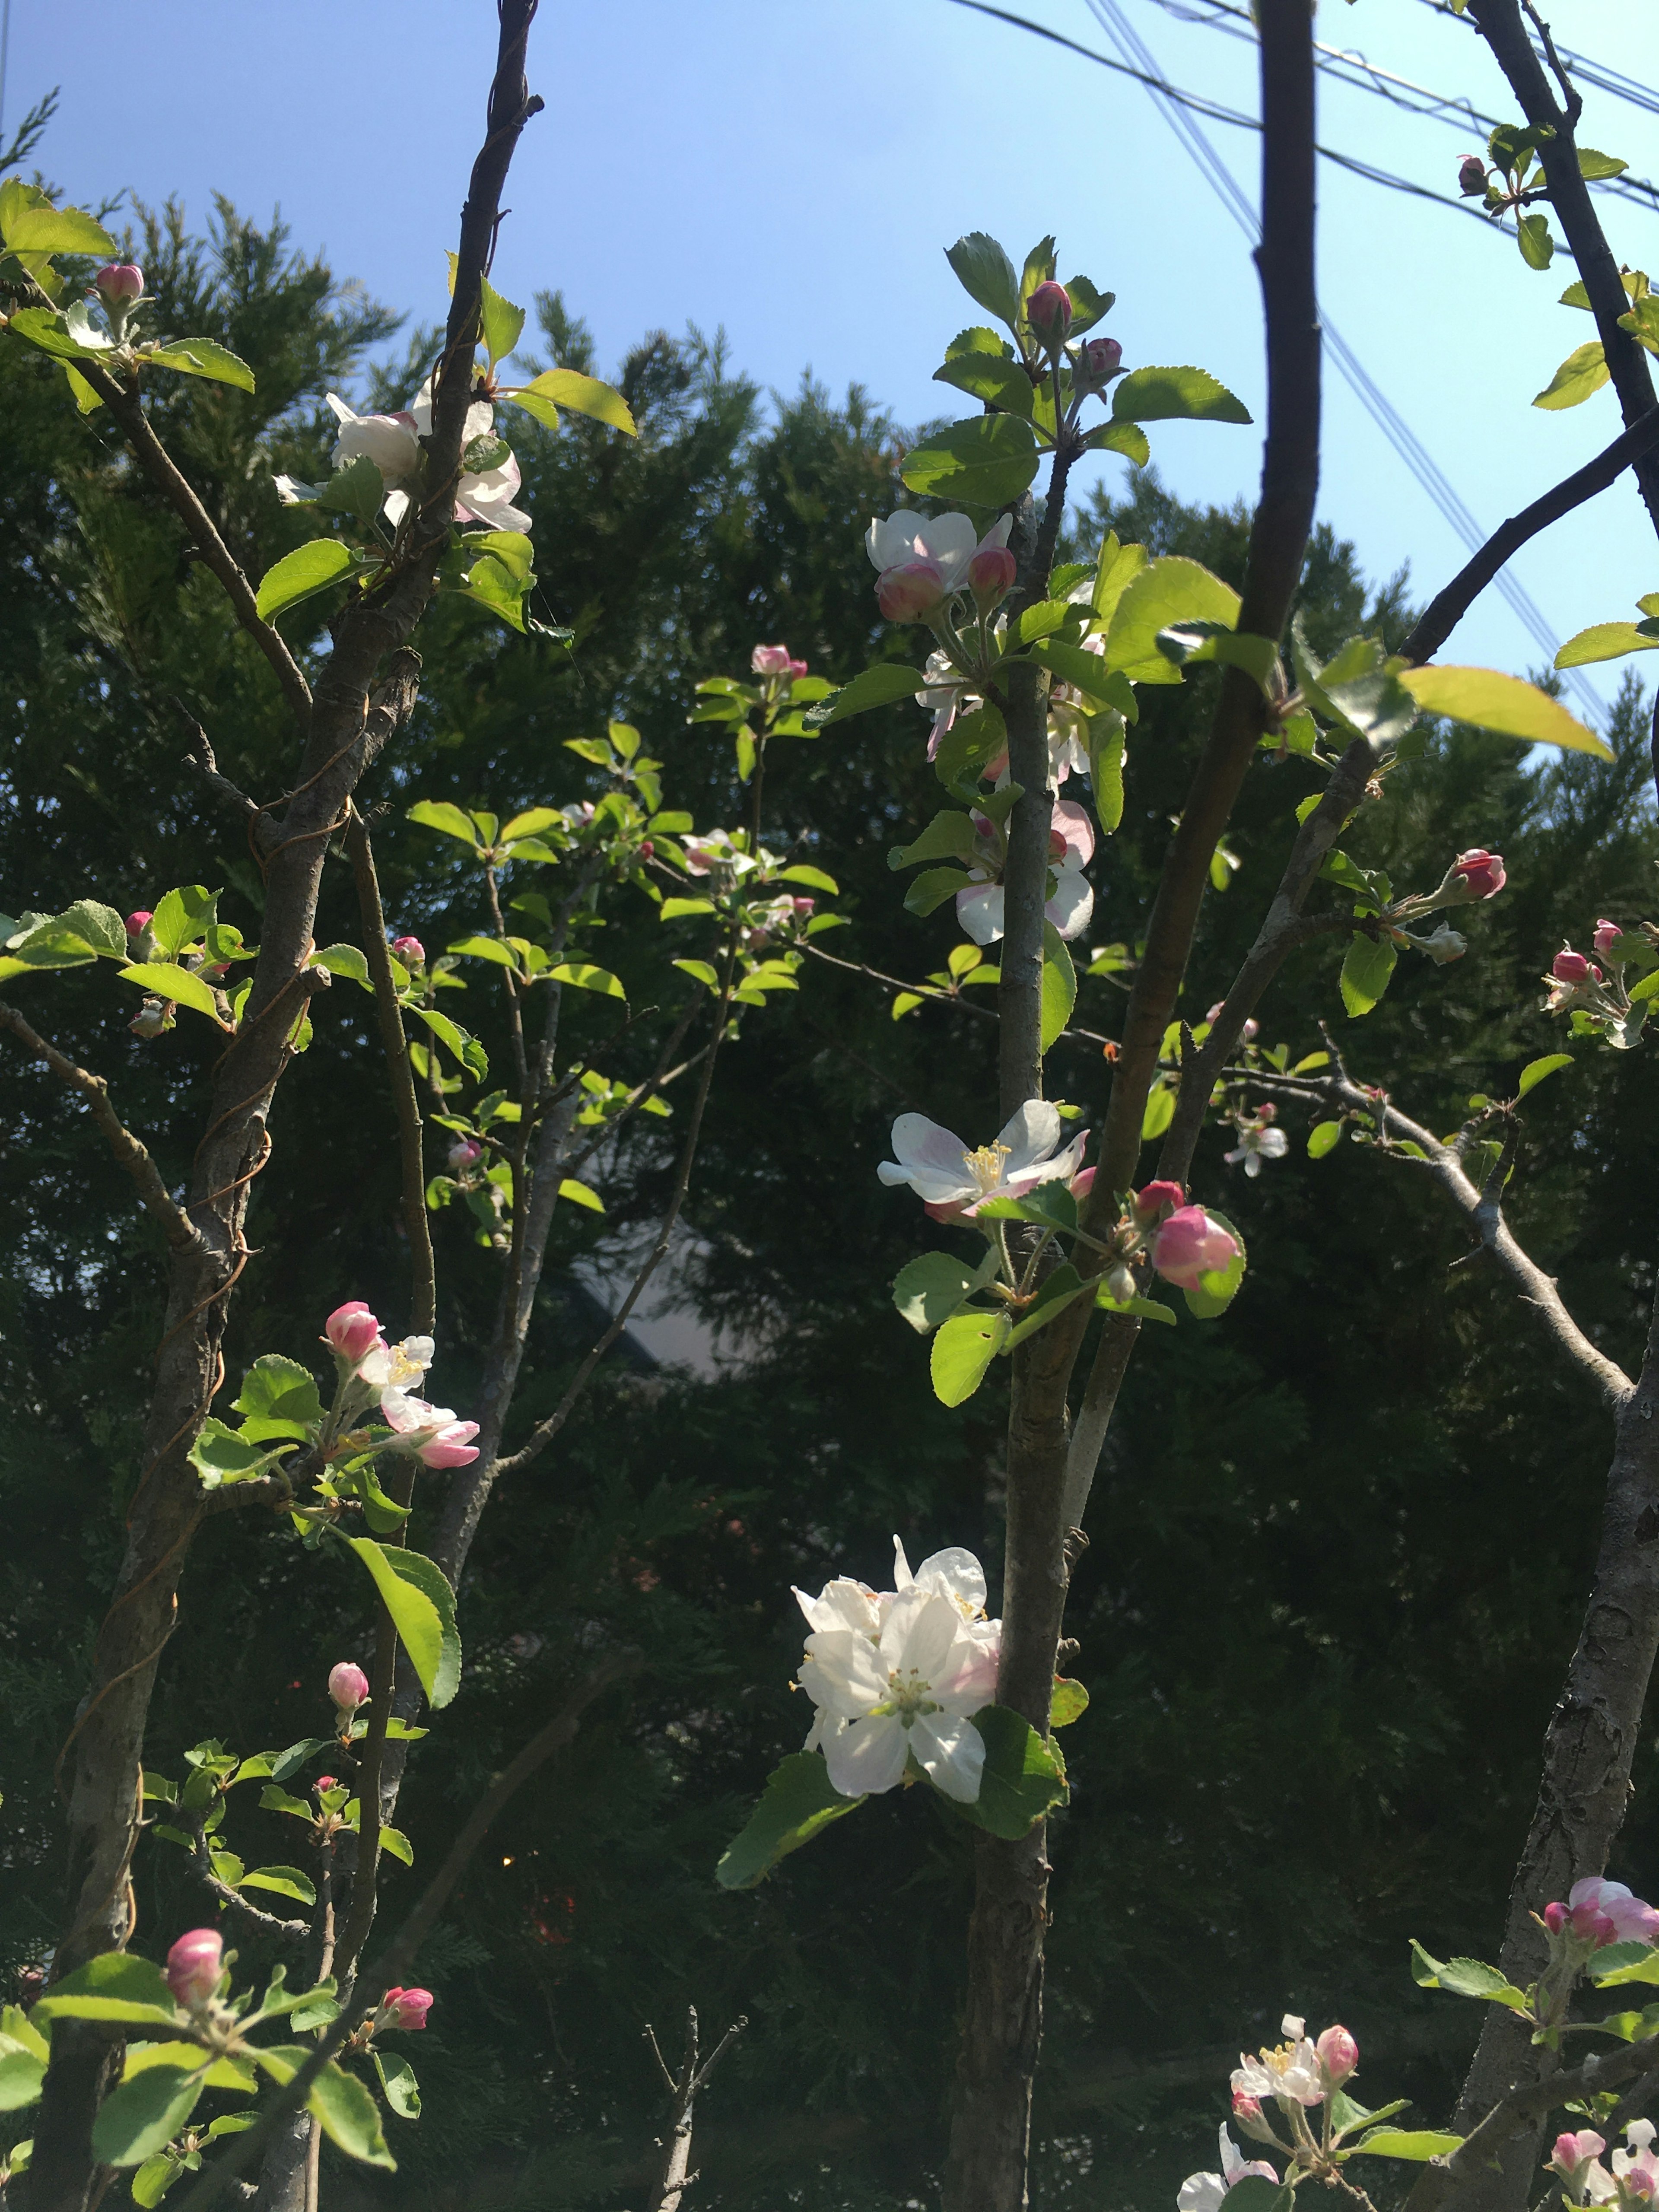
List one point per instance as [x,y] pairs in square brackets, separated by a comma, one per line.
[951,1752]
[998,535]
[902,1577]
[980,912]
[869,1757]
[839,1604]
[1253,1164]
[1292,2026]
[1274,1145]
[932,1160]
[342,413]
[949,539]
[1072,905]
[892,540]
[918,1634]
[1031,1134]
[958,1572]
[1201,2192]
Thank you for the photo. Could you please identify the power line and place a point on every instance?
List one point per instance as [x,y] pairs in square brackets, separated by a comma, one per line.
[1399,433]
[1456,111]
[1604,78]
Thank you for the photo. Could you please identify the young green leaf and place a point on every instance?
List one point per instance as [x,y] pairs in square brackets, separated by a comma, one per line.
[1584,371]
[986,461]
[1059,986]
[1535,1070]
[986,274]
[1415,2143]
[206,357]
[1502,704]
[1022,1778]
[798,1801]
[141,2116]
[302,573]
[928,1290]
[402,2090]
[963,1348]
[421,1604]
[876,687]
[1365,971]
[1608,641]
[1164,395]
[584,395]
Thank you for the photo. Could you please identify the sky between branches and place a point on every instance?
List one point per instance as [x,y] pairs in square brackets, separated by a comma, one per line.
[790,170]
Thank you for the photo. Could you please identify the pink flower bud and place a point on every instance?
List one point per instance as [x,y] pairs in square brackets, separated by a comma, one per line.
[769,660]
[803,908]
[795,671]
[647,849]
[120,283]
[1572,2151]
[465,1155]
[409,951]
[1150,1202]
[1607,935]
[1082,1183]
[1481,872]
[1245,2106]
[1589,1925]
[1339,2054]
[911,592]
[1251,1031]
[1555,1917]
[1100,361]
[1048,311]
[1471,175]
[1268,1113]
[348,1685]
[323,1781]
[991,576]
[406,2007]
[139,922]
[1190,1246]
[194,1967]
[353,1331]
[1571,966]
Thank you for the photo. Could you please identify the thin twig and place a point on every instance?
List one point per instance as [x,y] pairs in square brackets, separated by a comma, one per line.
[181,1231]
[895,984]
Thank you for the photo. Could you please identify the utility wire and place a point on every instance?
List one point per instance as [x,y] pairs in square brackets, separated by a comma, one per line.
[1399,433]
[1456,110]
[1584,65]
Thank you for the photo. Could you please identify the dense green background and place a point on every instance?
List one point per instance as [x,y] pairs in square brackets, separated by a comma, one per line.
[1339,1539]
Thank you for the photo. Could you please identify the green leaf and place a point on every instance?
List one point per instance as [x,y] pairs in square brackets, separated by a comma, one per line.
[583,977]
[351,2118]
[1088,306]
[700,972]
[207,357]
[986,274]
[1202,641]
[1532,233]
[274,1388]
[1165,591]
[1086,671]
[799,1800]
[286,1881]
[272,1800]
[154,2178]
[1059,986]
[815,879]
[1535,1070]
[928,1290]
[301,574]
[403,2091]
[583,395]
[1261,2195]
[1502,704]
[163,979]
[141,2116]
[1608,641]
[42,228]
[972,741]
[932,887]
[1022,1776]
[1416,2143]
[1106,739]
[1324,1138]
[578,1193]
[987,376]
[65,338]
[1595,166]
[22,2072]
[221,1455]
[1069,1702]
[948,836]
[467,1049]
[499,322]
[115,1985]
[453,821]
[485,948]
[1163,395]
[344,960]
[986,461]
[358,489]
[1057,1291]
[1465,1978]
[1584,371]
[1365,972]
[1126,438]
[876,687]
[963,1348]
[1613,1959]
[421,1604]
[674,910]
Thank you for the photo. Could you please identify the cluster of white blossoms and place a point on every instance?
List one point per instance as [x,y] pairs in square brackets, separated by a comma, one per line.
[484,494]
[897,1675]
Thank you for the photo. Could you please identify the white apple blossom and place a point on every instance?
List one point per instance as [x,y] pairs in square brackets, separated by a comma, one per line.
[1255,1145]
[1070,905]
[943,1172]
[481,495]
[1636,2168]
[948,541]
[395,1366]
[392,442]
[1203,2192]
[1291,2073]
[908,1692]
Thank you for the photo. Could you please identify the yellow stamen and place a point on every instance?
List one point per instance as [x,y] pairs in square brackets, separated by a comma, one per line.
[986,1165]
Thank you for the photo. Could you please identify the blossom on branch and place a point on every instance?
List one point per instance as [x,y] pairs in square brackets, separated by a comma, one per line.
[1290,2072]
[194,1965]
[1203,2192]
[952,1182]
[430,1434]
[1188,1247]
[980,908]
[348,1685]
[352,1331]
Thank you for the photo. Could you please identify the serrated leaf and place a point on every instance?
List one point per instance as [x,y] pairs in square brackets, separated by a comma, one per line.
[799,1800]
[583,395]
[1536,1070]
[964,1348]
[987,376]
[21,2073]
[986,461]
[875,687]
[1022,1778]
[1165,591]
[207,357]
[1366,968]
[350,2117]
[1503,703]
[301,575]
[1608,641]
[582,977]
[1584,371]
[141,2116]
[115,1985]
[986,274]
[927,1290]
[1165,395]
[416,1594]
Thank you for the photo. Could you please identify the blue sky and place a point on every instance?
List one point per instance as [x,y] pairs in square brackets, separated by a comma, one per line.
[790,170]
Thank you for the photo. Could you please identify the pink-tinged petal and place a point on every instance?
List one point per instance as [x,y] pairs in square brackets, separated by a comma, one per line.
[1075,830]
[1071,908]
[980,912]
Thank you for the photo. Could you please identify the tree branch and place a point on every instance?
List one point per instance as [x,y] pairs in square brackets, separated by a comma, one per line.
[1449,606]
[180,1230]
